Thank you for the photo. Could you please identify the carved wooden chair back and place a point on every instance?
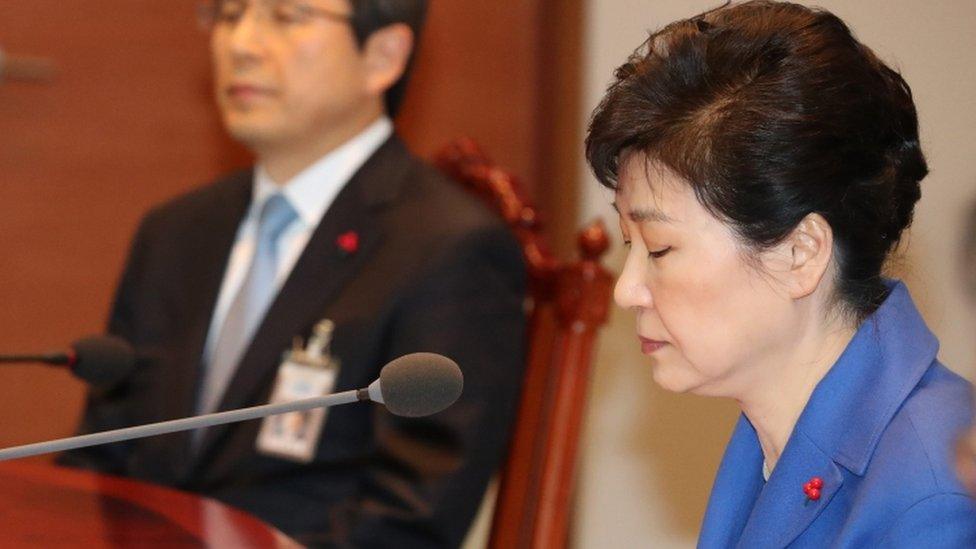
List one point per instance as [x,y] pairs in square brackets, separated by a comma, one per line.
[567,303]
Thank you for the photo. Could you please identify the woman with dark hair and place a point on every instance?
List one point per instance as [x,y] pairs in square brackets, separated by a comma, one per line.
[765,164]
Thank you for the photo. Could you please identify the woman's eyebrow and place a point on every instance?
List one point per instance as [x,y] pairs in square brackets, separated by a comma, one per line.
[646,214]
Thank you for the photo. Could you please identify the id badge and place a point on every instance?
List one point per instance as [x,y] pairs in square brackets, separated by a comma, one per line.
[303,374]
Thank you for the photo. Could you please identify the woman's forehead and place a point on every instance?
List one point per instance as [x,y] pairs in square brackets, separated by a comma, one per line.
[638,167]
[651,190]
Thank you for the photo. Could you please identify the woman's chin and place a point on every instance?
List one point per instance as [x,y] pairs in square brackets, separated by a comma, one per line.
[674,379]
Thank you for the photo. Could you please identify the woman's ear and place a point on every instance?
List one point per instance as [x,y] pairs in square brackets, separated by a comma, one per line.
[386,53]
[811,247]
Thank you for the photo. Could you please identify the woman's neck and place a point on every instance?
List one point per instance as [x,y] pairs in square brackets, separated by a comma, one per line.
[775,402]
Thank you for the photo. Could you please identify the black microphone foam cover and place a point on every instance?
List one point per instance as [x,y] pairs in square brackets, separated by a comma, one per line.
[420,384]
[102,360]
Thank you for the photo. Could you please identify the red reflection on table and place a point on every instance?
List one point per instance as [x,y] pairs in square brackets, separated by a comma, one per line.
[47,506]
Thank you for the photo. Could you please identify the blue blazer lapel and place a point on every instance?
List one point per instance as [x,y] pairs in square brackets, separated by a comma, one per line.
[839,428]
[783,510]
[737,485]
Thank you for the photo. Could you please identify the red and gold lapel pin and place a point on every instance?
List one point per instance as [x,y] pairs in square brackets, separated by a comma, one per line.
[348,242]
[812,488]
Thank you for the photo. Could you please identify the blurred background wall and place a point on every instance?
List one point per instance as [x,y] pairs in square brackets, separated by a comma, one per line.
[649,456]
[128,122]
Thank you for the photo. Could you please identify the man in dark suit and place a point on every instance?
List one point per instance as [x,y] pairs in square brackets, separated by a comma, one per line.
[337,221]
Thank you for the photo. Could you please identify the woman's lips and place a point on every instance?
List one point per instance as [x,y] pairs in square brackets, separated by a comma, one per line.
[649,346]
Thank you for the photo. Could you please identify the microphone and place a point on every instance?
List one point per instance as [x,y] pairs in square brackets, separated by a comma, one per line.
[97,359]
[413,385]
[417,385]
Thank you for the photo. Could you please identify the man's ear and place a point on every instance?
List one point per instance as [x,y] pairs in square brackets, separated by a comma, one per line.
[810,247]
[386,53]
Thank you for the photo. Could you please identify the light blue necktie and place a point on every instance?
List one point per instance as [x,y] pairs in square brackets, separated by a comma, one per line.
[249,306]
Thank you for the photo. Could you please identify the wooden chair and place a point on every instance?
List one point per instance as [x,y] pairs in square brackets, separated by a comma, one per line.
[567,304]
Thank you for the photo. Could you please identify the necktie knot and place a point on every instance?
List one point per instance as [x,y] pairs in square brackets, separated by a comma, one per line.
[276,214]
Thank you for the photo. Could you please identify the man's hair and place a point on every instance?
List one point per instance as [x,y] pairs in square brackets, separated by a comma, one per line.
[370,16]
[772,111]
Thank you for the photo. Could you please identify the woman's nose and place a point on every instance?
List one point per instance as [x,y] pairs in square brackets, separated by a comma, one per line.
[631,289]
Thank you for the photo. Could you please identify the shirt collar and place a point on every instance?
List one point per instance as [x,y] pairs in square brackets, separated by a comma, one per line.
[312,191]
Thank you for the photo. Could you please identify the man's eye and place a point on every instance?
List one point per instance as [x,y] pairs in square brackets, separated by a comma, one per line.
[657,254]
[229,12]
[289,12]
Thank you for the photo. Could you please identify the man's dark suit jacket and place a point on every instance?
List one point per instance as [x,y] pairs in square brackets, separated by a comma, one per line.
[434,271]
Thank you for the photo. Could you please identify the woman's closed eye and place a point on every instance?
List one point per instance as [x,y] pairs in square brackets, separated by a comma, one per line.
[654,254]
[657,254]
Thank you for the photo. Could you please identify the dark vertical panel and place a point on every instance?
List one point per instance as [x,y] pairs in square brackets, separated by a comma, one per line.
[478,75]
[559,103]
[506,73]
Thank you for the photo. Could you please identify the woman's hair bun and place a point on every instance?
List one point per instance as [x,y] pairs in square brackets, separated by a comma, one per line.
[904,170]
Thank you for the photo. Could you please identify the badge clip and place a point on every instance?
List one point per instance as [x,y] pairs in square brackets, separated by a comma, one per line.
[305,372]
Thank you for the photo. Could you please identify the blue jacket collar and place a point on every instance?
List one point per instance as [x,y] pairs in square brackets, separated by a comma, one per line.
[839,427]
[855,401]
